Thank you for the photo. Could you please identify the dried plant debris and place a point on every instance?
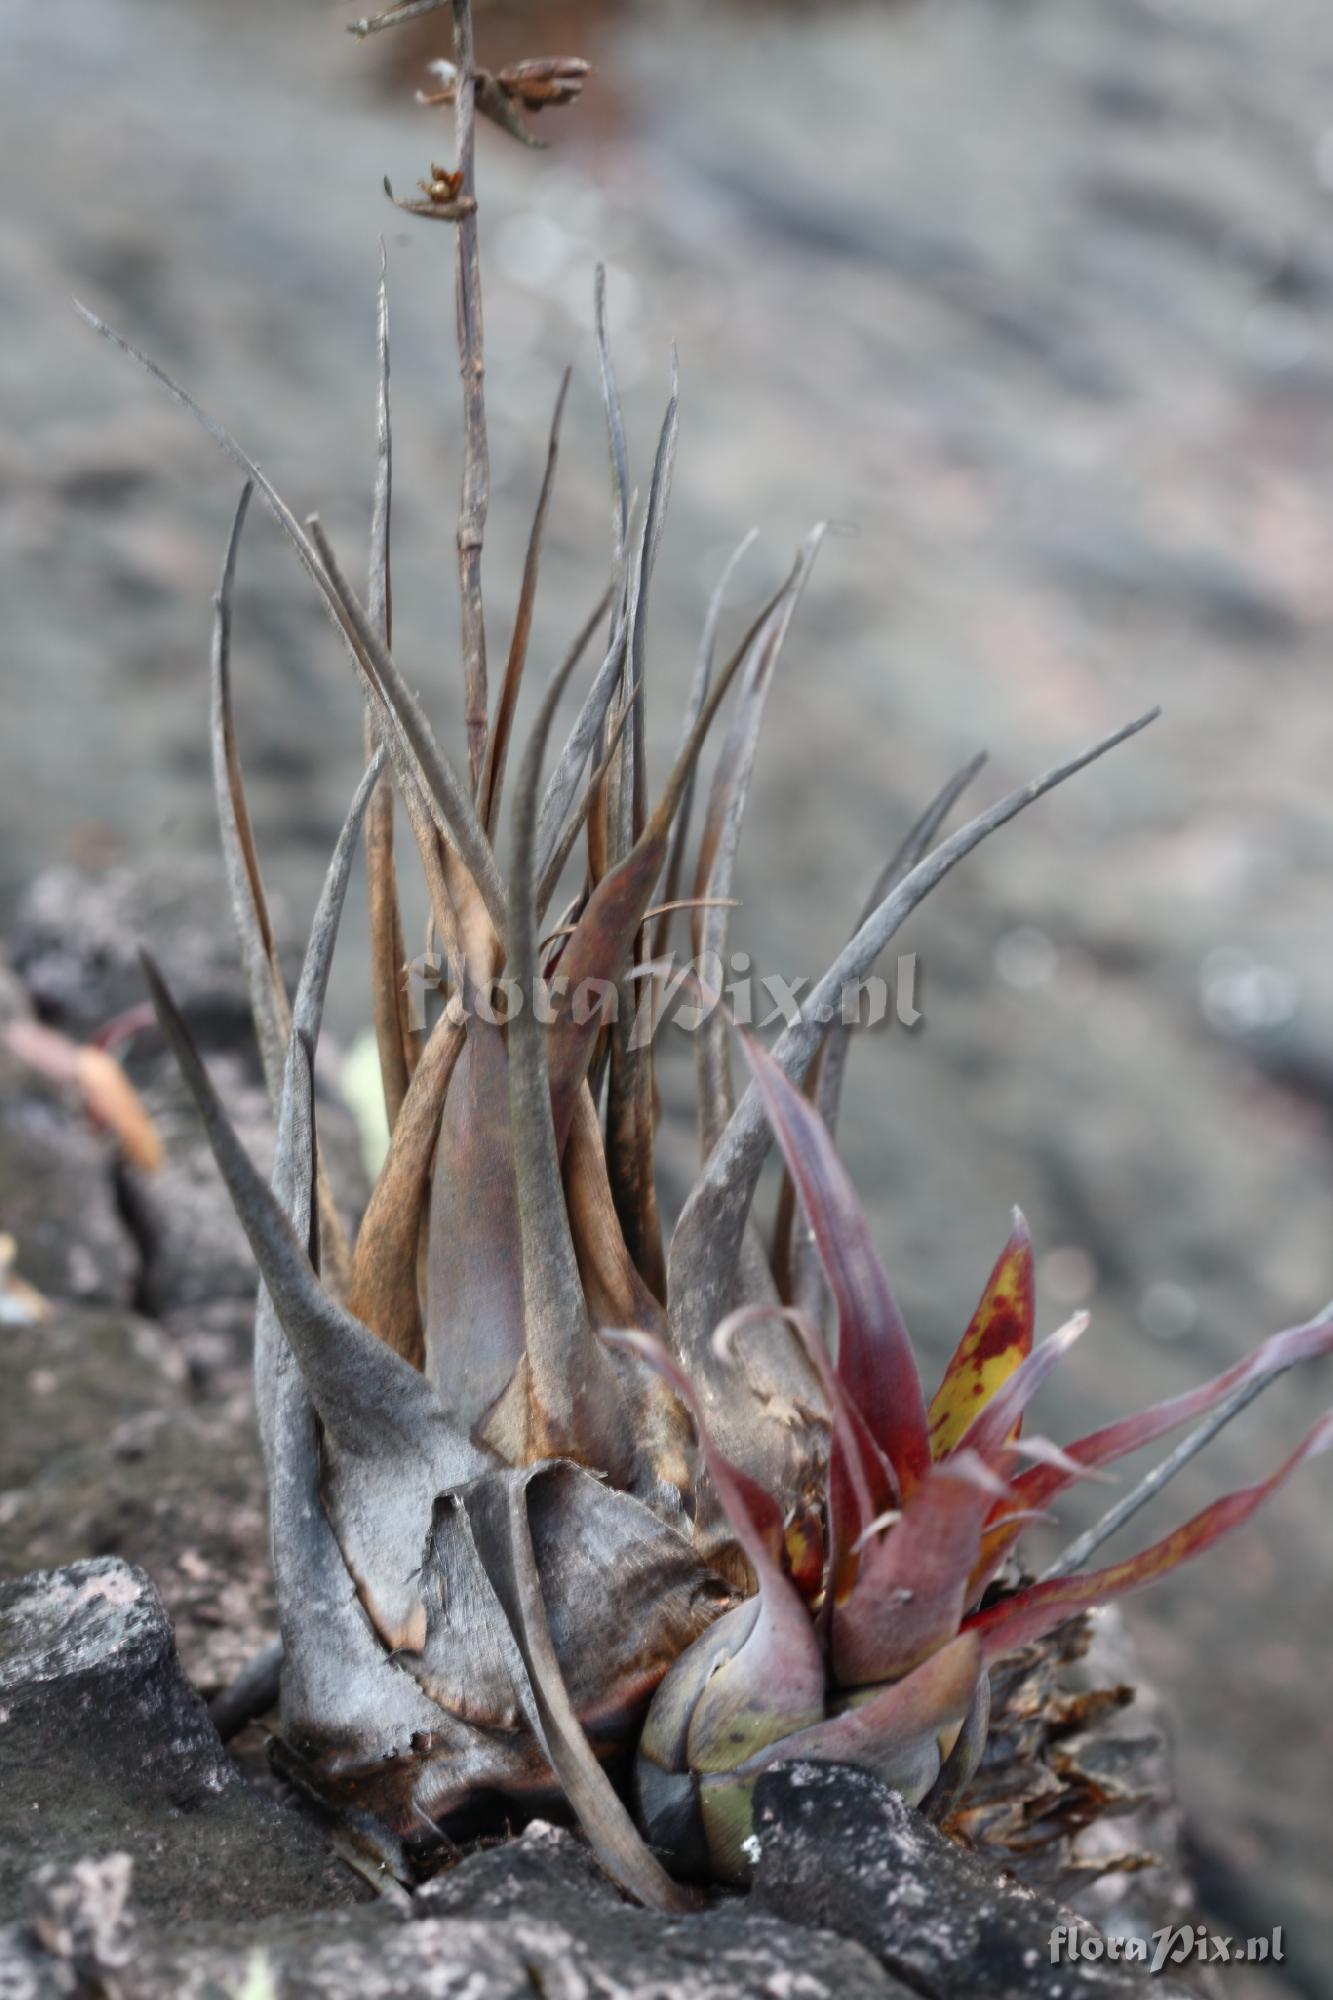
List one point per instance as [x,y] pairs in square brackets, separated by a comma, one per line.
[108,1097]
[566,1503]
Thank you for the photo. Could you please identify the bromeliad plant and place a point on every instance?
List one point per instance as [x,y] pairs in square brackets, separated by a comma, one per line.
[559,1505]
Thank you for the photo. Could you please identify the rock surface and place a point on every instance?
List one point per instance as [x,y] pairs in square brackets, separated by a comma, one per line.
[931,1914]
[54,1167]
[76,948]
[105,1747]
[172,1485]
[900,1914]
[537,1915]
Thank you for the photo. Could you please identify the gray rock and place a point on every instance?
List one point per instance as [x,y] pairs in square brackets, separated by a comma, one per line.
[81,1913]
[57,1192]
[546,1886]
[841,1852]
[178,1490]
[29,1973]
[105,1747]
[581,1956]
[194,1251]
[103,1452]
[543,1873]
[71,1382]
[534,1915]
[76,944]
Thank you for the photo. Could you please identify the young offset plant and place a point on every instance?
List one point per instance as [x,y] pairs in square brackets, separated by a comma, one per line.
[560,1504]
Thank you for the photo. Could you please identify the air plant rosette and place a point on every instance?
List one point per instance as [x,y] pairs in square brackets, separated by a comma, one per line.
[563,1506]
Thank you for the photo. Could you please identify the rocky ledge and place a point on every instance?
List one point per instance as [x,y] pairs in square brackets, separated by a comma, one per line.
[136,1860]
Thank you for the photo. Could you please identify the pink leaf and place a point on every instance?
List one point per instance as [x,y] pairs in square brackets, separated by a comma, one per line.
[911,1590]
[1033,1488]
[875,1359]
[1030,1614]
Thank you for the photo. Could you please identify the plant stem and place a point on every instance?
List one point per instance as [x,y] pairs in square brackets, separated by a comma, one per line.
[475,498]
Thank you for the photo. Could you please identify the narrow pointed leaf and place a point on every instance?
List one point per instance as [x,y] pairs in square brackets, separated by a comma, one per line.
[364,1394]
[1039,1484]
[573,1401]
[720,840]
[497,744]
[914,848]
[388,957]
[383,1293]
[708,1237]
[281,1399]
[587,728]
[497,1513]
[703,674]
[268,996]
[573,826]
[296,1153]
[875,1360]
[269,1004]
[615,423]
[630,1109]
[1030,1614]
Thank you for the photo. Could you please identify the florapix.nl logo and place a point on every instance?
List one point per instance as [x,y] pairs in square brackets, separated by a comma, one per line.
[683,994]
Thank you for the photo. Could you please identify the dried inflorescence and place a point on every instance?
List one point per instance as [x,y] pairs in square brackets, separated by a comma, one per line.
[554,1493]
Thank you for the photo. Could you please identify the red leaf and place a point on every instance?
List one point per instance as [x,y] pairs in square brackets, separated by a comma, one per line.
[1030,1614]
[910,1592]
[1040,1483]
[875,1360]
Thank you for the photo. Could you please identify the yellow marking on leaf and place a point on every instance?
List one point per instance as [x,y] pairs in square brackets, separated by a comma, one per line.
[998,1339]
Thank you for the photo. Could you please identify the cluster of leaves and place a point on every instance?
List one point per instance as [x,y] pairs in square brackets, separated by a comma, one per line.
[877,1651]
[539,1496]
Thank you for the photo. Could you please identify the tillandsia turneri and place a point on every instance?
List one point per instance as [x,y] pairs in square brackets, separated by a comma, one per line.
[561,1504]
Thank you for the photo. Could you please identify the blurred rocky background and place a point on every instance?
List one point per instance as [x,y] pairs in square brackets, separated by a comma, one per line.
[1036,296]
